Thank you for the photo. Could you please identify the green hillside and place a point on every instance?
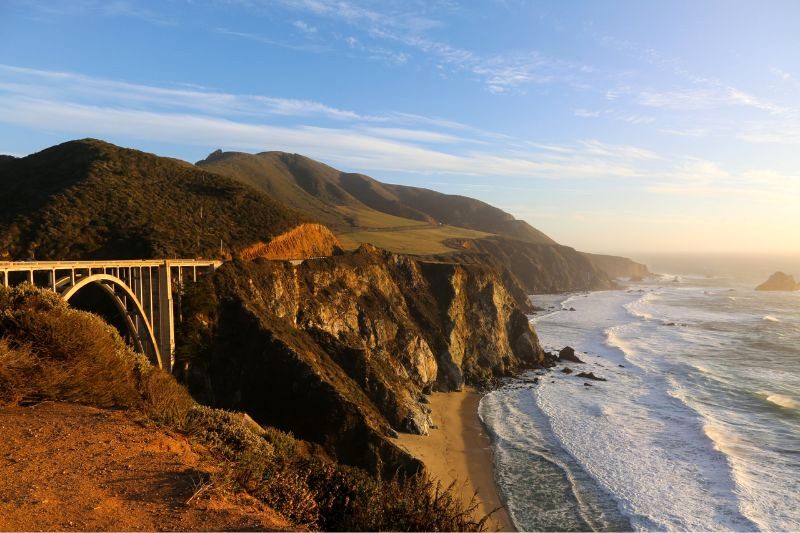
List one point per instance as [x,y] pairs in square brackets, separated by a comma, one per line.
[354,204]
[91,199]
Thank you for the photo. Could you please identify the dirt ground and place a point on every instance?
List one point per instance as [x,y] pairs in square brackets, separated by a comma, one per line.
[71,467]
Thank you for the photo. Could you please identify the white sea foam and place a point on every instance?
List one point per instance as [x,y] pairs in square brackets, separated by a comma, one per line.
[668,434]
[783,401]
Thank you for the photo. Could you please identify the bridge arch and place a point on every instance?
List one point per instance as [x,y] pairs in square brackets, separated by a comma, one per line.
[129,307]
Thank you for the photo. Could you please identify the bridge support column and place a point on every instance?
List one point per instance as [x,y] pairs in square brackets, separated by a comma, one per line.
[166,317]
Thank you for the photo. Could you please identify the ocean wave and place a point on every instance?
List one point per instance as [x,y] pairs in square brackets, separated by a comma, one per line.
[614,340]
[640,308]
[783,401]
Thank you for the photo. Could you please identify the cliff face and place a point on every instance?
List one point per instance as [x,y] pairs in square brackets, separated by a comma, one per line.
[619,267]
[536,268]
[341,350]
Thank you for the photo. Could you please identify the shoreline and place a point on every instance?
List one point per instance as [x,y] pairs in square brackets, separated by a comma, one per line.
[460,450]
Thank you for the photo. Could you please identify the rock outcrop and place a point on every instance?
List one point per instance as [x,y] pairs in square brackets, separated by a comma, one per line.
[619,267]
[537,268]
[568,354]
[340,350]
[779,281]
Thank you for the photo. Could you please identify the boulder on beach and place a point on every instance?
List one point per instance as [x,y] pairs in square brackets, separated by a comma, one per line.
[779,281]
[568,354]
[590,375]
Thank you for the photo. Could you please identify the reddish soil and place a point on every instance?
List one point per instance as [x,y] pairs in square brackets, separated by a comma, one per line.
[71,467]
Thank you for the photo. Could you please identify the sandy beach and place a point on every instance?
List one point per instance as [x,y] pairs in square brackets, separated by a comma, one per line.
[460,450]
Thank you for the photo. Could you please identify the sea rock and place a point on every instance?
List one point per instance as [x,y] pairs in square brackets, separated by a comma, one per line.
[779,281]
[566,370]
[572,309]
[568,354]
[587,384]
[590,375]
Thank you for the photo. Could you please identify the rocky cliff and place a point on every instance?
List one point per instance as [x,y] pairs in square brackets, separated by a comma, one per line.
[619,267]
[779,281]
[342,350]
[536,268]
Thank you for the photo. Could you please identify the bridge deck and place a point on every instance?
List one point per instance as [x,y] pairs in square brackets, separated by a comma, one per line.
[13,266]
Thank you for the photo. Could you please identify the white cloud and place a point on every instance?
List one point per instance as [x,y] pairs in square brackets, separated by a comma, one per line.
[82,106]
[303,27]
[782,74]
[402,27]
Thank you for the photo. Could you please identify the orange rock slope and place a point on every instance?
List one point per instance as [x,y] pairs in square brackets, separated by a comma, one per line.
[301,242]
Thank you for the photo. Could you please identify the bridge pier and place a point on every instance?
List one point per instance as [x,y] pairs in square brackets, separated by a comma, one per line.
[166,316]
[145,299]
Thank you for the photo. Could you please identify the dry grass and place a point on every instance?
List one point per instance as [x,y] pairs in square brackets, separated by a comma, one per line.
[427,240]
[302,242]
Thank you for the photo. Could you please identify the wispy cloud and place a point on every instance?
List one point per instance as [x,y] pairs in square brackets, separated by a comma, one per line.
[264,39]
[82,106]
[304,27]
[394,32]
[707,98]
[109,8]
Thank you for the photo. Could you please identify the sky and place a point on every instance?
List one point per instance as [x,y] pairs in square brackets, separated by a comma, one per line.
[612,126]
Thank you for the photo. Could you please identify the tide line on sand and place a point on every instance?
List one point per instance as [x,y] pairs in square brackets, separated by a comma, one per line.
[460,450]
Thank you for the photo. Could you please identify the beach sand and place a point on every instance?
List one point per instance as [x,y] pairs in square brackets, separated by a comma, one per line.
[459,449]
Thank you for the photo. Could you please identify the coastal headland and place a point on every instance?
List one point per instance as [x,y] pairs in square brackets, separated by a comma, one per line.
[346,354]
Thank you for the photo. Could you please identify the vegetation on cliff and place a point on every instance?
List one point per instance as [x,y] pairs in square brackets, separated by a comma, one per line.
[301,242]
[92,200]
[49,351]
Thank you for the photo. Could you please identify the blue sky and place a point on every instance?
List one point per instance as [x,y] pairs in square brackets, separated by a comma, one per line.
[617,126]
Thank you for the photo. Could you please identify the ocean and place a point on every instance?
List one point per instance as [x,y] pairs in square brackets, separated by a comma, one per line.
[696,428]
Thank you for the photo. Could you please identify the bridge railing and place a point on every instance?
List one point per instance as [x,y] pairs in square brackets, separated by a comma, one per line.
[144,291]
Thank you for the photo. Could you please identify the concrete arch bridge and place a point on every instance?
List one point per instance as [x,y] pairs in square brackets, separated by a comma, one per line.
[145,293]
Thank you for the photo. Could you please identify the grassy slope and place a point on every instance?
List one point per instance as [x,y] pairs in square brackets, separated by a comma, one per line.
[356,205]
[428,240]
[90,199]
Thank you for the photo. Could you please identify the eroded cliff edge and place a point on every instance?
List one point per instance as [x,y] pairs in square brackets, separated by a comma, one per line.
[342,350]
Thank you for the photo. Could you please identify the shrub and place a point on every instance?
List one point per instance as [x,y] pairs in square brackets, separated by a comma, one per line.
[73,355]
[227,434]
[164,400]
[283,443]
[16,366]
